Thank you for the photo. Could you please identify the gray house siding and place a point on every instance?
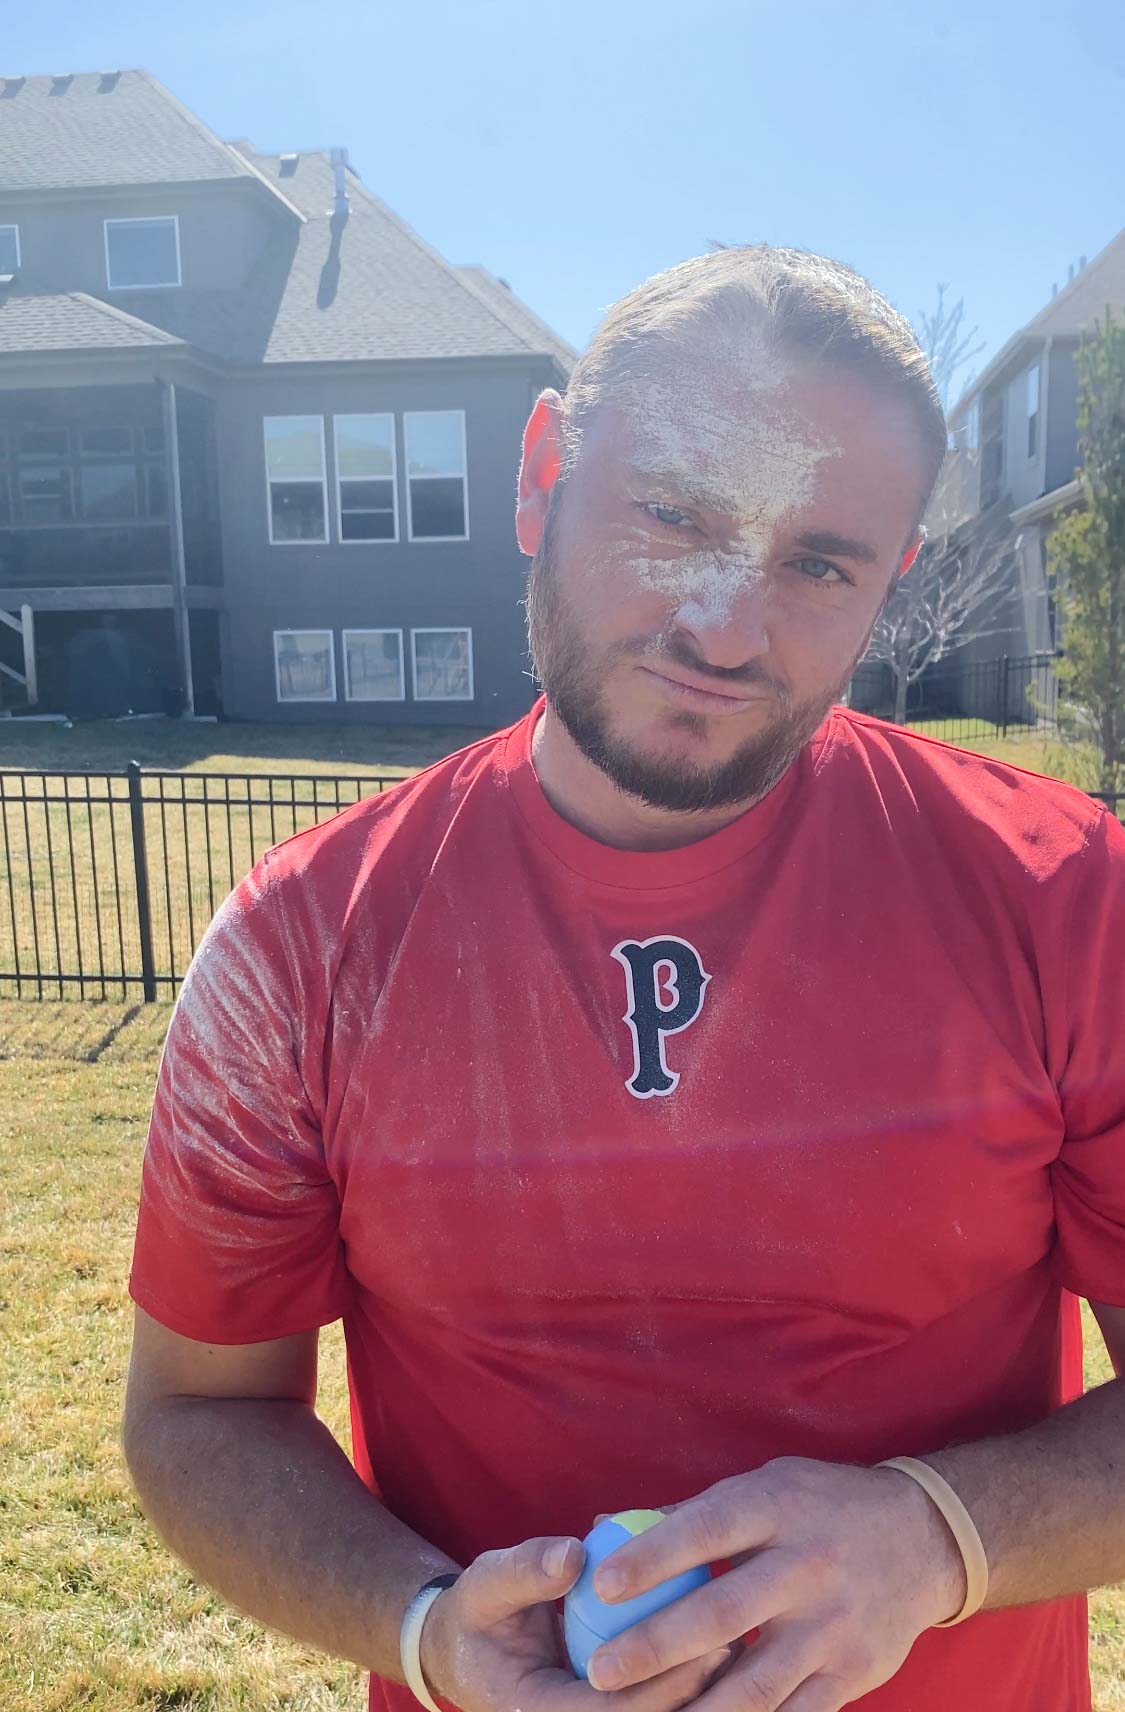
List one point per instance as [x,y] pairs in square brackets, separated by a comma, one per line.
[477,584]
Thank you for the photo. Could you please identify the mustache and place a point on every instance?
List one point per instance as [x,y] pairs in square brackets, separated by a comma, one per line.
[676,649]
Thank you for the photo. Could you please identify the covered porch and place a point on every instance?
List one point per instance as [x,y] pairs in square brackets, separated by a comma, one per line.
[110,557]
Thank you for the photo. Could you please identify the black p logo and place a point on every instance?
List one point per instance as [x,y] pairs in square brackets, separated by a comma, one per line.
[665,979]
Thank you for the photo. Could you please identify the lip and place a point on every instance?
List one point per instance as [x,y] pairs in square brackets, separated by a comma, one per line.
[690,692]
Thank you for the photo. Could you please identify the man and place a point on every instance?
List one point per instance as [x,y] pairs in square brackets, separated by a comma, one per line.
[694,1096]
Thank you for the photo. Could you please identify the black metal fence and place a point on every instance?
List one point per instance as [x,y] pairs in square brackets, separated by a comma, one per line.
[108,880]
[961,700]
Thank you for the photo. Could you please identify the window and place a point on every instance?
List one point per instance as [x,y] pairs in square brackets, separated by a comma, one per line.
[373,668]
[305,665]
[152,440]
[991,449]
[9,249]
[436,499]
[142,253]
[45,443]
[106,442]
[295,478]
[109,492]
[443,665]
[365,477]
[1032,382]
[45,494]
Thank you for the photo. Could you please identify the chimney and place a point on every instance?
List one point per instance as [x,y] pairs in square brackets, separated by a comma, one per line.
[1081,263]
[339,159]
[1054,289]
[1070,273]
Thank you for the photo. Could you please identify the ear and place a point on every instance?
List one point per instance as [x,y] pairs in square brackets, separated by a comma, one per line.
[913,550]
[539,469]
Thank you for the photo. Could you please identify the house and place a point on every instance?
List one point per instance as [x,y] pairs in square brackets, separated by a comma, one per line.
[258,440]
[1014,440]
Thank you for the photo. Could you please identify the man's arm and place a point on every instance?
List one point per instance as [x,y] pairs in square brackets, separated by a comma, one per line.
[247,1485]
[244,1481]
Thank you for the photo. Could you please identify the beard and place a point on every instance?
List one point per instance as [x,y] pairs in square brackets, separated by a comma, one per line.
[571,672]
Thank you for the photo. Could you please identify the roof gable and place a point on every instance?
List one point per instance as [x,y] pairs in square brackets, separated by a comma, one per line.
[104,128]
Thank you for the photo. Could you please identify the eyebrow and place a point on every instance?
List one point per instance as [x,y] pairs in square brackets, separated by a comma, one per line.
[841,546]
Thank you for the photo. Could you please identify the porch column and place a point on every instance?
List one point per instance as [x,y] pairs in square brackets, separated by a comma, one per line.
[176,531]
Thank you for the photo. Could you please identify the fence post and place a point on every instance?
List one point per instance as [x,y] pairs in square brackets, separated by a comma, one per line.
[1004,696]
[140,868]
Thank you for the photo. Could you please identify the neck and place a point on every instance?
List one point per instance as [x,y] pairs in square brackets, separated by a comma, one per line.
[590,801]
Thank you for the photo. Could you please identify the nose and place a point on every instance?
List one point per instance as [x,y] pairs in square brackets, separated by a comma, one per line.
[727,626]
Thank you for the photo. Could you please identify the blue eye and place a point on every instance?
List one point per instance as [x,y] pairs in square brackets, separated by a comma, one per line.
[823,573]
[670,515]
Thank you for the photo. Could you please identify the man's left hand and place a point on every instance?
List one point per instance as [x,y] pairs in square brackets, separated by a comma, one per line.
[839,1568]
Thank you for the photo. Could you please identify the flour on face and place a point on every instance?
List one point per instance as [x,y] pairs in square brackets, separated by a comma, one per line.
[716,420]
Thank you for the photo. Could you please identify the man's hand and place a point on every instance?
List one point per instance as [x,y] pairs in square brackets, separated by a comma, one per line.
[491,1643]
[840,1569]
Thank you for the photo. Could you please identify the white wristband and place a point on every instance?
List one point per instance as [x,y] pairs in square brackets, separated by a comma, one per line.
[410,1638]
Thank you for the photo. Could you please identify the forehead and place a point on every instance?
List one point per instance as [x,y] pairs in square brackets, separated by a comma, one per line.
[746,431]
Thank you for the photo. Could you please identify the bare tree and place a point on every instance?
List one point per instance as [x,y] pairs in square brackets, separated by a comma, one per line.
[956,591]
[946,345]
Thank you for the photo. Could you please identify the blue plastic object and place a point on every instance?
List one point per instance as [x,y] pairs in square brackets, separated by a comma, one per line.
[588,1620]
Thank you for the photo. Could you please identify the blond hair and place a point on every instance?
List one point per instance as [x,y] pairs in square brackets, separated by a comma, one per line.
[815,309]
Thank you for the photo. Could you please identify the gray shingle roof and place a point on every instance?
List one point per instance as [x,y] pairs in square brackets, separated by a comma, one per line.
[98,128]
[321,290]
[512,309]
[72,321]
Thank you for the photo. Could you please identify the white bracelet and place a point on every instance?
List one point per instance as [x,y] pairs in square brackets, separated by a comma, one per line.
[410,1638]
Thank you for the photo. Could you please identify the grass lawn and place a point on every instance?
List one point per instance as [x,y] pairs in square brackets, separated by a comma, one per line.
[108,744]
[95,1614]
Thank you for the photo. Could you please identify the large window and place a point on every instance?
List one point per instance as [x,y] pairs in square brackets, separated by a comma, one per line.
[109,492]
[373,669]
[140,254]
[443,664]
[1032,383]
[304,665]
[100,473]
[365,477]
[45,493]
[9,249]
[295,478]
[436,498]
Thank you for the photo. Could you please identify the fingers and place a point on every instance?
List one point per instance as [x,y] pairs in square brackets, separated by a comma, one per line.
[499,1584]
[770,1675]
[676,1688]
[713,1616]
[733,1517]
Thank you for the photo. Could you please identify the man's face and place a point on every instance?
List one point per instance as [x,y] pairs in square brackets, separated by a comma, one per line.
[711,571]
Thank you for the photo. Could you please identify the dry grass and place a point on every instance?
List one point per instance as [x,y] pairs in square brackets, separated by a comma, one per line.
[94,1612]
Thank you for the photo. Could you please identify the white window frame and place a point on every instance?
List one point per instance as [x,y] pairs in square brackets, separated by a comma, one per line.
[292,701]
[463,473]
[10,226]
[305,540]
[362,415]
[372,631]
[144,220]
[441,630]
[1036,369]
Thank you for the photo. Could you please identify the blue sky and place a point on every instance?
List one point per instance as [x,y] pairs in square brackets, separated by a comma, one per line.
[577,147]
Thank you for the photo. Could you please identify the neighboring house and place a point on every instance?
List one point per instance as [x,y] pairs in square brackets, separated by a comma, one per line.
[256,437]
[1014,439]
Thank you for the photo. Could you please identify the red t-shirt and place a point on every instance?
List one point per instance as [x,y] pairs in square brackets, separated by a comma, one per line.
[630,1171]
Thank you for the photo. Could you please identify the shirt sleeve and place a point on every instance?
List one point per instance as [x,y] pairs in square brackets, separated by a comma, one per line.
[237,1236]
[1089,1173]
